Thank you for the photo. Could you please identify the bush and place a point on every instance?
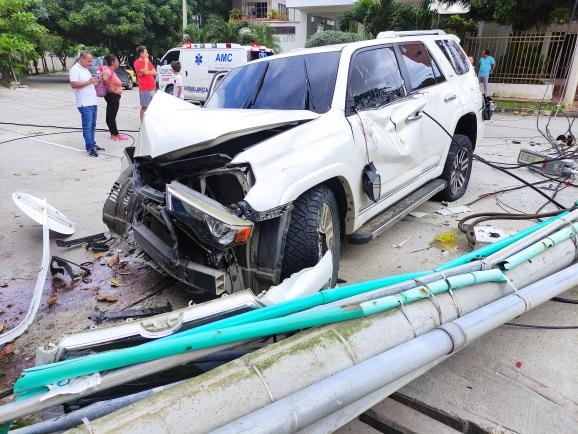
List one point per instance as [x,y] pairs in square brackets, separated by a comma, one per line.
[332,37]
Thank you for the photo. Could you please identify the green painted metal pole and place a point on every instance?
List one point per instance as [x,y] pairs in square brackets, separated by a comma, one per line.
[34,379]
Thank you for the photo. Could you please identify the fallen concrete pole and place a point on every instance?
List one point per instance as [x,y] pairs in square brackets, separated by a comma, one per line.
[253,382]
[307,406]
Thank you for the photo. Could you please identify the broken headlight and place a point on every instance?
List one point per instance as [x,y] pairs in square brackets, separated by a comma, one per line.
[211,222]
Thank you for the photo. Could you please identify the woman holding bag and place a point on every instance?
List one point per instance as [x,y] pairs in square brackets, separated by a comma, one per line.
[114,87]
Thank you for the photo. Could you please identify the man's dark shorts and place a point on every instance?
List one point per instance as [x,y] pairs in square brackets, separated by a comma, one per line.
[145,97]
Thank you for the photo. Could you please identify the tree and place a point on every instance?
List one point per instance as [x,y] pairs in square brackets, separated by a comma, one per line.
[520,14]
[119,25]
[379,15]
[19,35]
[239,32]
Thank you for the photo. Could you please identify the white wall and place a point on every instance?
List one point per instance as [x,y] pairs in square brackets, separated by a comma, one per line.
[520,91]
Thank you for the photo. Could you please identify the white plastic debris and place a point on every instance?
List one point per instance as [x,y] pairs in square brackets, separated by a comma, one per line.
[401,243]
[454,210]
[418,214]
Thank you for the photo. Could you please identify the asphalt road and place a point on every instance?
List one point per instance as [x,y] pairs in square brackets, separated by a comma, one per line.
[53,164]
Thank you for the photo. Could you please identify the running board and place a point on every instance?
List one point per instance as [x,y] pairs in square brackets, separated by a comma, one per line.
[381,222]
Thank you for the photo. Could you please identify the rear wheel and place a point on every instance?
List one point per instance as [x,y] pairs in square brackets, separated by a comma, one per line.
[457,169]
[314,229]
[129,85]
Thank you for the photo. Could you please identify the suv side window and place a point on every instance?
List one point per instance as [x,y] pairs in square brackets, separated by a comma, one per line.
[420,67]
[374,79]
[455,55]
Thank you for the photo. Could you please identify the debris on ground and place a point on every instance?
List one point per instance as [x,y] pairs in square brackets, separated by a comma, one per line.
[486,234]
[52,299]
[418,214]
[116,282]
[113,260]
[445,241]
[109,298]
[6,350]
[401,243]
[454,210]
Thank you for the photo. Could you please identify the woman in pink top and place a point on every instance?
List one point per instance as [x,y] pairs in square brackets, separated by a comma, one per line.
[114,87]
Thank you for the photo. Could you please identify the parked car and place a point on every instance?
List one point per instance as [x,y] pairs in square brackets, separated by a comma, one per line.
[292,153]
[121,72]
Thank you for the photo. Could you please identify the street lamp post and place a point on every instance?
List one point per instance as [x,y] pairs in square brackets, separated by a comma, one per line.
[184,15]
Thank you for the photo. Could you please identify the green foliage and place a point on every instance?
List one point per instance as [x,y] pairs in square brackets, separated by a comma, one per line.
[235,14]
[332,37]
[239,32]
[19,36]
[119,25]
[520,14]
[460,26]
[380,15]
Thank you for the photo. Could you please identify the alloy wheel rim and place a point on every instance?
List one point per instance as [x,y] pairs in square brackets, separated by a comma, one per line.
[326,230]
[459,171]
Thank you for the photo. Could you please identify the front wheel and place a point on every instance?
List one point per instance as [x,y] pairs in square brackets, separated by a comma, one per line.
[129,85]
[169,89]
[457,169]
[313,230]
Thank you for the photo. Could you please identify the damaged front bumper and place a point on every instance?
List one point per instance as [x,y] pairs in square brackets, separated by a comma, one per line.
[186,226]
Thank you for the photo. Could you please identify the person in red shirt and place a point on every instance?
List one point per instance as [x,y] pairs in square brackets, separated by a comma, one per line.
[145,72]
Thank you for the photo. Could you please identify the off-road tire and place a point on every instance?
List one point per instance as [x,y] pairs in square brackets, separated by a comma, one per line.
[302,246]
[457,169]
[130,85]
[169,89]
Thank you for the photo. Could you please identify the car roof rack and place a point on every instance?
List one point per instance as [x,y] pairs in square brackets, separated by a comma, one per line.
[394,34]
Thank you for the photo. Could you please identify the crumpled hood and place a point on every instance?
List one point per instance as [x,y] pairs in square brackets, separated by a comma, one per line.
[172,128]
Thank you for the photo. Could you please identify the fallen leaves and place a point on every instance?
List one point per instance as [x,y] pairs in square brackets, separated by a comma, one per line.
[52,299]
[109,298]
[113,260]
[115,282]
[98,255]
[8,349]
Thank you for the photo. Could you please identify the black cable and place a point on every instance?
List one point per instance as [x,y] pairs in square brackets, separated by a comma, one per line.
[35,135]
[478,158]
[58,127]
[6,393]
[544,327]
[505,190]
[565,300]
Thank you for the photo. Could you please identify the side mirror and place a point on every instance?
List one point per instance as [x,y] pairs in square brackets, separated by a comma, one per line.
[371,181]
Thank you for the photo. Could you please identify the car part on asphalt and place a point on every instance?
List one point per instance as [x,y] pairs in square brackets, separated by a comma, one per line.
[40,279]
[100,316]
[34,207]
[98,242]
[64,265]
[143,330]
[544,163]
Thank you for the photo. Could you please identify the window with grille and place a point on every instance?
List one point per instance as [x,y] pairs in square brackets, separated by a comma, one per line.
[255,9]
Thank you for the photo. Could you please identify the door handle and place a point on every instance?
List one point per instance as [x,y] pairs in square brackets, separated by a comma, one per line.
[414,117]
[449,98]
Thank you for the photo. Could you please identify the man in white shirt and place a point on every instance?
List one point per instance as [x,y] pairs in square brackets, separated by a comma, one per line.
[86,100]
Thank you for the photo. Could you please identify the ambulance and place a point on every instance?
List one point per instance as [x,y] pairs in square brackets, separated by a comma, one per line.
[202,63]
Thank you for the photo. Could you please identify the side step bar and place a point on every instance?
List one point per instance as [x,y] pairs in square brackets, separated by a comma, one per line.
[381,222]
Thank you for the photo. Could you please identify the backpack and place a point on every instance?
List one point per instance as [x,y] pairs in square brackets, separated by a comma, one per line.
[100,87]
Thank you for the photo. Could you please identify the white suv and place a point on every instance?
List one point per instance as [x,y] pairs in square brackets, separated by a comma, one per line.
[293,152]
